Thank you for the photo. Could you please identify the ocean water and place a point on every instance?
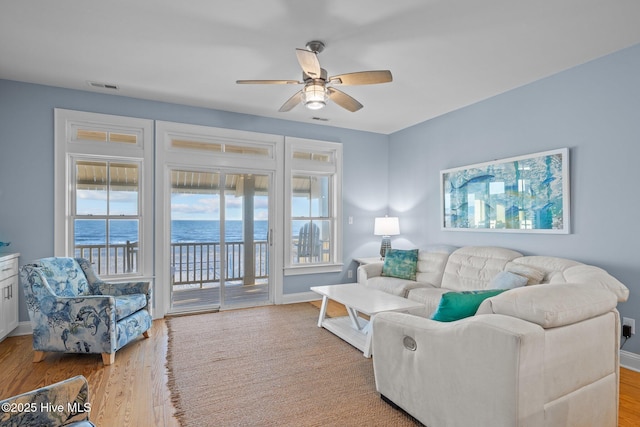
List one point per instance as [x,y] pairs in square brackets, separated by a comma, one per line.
[93,232]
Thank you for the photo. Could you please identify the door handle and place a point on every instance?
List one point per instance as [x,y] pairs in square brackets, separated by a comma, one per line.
[270,237]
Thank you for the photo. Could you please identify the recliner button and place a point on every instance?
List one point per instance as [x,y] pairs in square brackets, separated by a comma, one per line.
[409,343]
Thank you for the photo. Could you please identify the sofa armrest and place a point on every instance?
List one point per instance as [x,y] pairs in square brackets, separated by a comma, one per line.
[367,271]
[551,306]
[70,397]
[492,363]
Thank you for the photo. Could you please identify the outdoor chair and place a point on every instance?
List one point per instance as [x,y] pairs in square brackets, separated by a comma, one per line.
[309,244]
[65,403]
[73,311]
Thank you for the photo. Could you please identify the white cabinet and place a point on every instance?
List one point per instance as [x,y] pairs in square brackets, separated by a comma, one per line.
[8,293]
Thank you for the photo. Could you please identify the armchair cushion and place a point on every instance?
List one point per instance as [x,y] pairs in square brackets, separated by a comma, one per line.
[128,304]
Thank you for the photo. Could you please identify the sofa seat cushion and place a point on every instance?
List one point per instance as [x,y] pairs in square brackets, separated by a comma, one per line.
[395,286]
[429,296]
[127,304]
[551,306]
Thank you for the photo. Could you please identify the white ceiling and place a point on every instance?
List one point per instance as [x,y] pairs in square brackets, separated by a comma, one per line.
[444,54]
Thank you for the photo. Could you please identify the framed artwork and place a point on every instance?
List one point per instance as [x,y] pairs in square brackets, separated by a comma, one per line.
[524,194]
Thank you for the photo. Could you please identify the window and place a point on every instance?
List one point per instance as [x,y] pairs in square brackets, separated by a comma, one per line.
[313,183]
[104,186]
[106,216]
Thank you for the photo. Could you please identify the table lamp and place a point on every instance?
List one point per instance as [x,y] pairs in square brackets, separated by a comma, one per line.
[386,227]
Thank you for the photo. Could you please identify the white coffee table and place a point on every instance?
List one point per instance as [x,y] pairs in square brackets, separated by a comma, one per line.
[357,299]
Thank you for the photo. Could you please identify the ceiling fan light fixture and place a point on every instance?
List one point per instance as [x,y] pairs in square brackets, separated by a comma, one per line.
[314,95]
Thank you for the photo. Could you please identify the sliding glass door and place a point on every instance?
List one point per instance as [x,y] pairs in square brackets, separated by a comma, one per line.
[219,248]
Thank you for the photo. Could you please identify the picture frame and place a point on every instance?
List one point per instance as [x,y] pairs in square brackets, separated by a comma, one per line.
[523,194]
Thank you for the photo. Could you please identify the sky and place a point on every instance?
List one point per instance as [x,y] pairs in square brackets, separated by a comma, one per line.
[183,206]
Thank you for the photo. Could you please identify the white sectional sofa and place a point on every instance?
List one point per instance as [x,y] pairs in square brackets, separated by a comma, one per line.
[544,354]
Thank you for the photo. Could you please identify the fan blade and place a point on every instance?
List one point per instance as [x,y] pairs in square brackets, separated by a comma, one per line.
[343,100]
[268,82]
[309,63]
[291,102]
[363,78]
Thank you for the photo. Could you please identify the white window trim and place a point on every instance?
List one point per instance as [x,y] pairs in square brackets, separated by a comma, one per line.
[67,148]
[334,168]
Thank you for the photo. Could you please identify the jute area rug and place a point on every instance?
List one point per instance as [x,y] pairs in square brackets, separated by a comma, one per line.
[270,366]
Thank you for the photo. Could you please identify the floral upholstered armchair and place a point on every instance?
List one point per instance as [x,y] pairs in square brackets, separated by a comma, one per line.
[65,403]
[73,311]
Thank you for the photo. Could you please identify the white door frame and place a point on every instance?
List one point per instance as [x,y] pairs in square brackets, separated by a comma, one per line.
[168,158]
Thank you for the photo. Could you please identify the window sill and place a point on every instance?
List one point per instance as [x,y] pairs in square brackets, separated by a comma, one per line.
[313,269]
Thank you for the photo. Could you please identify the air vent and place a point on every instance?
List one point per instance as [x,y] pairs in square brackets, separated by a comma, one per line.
[320,119]
[109,86]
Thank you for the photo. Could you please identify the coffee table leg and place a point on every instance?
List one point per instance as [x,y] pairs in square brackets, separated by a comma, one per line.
[323,310]
[353,315]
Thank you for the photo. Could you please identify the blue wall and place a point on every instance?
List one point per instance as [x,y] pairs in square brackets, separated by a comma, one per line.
[26,166]
[593,109]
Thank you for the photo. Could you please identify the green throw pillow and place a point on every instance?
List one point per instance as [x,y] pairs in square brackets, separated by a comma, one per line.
[400,263]
[458,305]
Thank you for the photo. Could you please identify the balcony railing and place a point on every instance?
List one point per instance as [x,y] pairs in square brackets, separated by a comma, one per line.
[191,263]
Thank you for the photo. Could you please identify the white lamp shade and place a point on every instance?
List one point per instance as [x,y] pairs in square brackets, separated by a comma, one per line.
[386,226]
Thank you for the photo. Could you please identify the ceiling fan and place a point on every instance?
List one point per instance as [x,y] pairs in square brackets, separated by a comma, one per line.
[316,89]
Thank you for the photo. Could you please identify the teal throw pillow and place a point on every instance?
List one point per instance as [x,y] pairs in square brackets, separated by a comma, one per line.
[400,263]
[458,305]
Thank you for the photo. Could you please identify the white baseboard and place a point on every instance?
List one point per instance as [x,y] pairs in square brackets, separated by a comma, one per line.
[630,360]
[24,328]
[300,297]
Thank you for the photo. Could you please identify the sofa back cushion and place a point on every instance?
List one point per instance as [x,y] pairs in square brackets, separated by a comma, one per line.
[64,276]
[590,275]
[431,263]
[560,270]
[551,268]
[473,267]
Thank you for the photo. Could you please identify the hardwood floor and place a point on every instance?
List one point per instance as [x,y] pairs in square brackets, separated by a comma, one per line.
[133,391]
